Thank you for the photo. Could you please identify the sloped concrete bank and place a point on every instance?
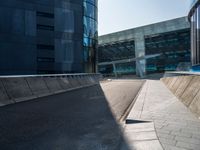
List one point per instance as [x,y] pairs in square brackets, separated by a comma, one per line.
[187,89]
[15,89]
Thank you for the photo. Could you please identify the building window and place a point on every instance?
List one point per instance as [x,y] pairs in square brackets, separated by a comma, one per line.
[44,14]
[45,27]
[173,48]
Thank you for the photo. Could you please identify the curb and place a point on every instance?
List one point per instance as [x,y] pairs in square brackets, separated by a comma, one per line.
[127,111]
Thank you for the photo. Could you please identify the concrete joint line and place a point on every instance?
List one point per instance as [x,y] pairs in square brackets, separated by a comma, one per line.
[7,92]
[147,86]
[29,87]
[46,85]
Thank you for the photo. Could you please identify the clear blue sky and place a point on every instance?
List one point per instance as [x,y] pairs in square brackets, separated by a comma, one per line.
[117,15]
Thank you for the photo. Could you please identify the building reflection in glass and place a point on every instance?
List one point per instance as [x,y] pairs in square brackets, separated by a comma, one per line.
[90,34]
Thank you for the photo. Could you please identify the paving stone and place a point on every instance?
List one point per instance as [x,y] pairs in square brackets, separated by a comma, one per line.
[167,141]
[182,134]
[146,145]
[188,146]
[190,131]
[171,128]
[163,131]
[168,136]
[187,140]
[138,136]
[140,129]
[170,147]
[196,136]
[176,127]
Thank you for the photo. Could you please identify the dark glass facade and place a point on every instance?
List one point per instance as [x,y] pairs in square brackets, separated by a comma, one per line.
[47,36]
[174,50]
[117,51]
[90,35]
[194,17]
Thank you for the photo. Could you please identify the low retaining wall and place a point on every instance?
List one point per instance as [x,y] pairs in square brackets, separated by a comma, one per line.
[187,89]
[22,88]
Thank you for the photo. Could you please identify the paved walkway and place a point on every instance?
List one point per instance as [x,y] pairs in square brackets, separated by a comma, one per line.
[159,121]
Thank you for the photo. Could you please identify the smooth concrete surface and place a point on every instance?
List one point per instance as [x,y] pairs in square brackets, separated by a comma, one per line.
[157,110]
[4,97]
[192,90]
[187,90]
[15,92]
[22,88]
[52,84]
[82,119]
[183,85]
[64,83]
[38,86]
[122,92]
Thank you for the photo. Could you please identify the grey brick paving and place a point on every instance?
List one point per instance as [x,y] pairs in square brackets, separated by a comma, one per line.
[176,127]
[188,146]
[170,147]
[167,141]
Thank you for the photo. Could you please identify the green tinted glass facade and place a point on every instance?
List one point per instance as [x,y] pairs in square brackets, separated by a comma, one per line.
[117,51]
[173,47]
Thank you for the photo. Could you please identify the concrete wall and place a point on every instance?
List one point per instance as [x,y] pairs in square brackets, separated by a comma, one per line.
[15,89]
[187,89]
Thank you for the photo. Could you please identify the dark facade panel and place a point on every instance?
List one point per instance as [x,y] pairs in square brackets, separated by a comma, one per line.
[116,51]
[44,36]
[174,50]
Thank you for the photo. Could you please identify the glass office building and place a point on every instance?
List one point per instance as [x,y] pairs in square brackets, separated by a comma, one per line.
[173,47]
[154,48]
[47,36]
[194,18]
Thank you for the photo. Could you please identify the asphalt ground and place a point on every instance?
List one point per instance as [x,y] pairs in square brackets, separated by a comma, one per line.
[83,119]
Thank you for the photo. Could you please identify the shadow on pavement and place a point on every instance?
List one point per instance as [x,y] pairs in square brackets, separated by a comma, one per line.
[75,120]
[129,121]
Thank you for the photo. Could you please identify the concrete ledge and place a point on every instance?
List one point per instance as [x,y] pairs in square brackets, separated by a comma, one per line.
[187,89]
[4,96]
[15,89]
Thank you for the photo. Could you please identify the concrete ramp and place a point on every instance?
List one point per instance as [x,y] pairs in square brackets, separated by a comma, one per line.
[22,88]
[38,86]
[53,84]
[187,89]
[4,97]
[17,89]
